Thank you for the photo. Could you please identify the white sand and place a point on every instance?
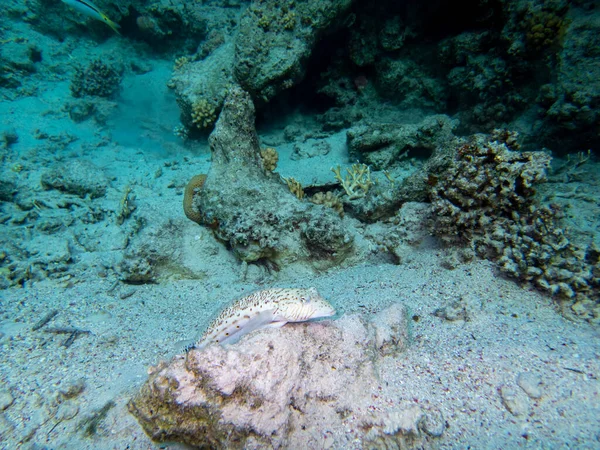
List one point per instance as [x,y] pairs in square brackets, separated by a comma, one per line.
[458,367]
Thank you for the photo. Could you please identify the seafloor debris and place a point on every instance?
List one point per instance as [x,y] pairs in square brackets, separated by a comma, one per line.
[44,320]
[73,333]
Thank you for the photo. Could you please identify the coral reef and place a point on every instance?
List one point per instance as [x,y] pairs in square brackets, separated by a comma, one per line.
[544,28]
[357,181]
[99,79]
[269,33]
[487,200]
[502,63]
[381,145]
[571,105]
[330,200]
[487,181]
[276,39]
[410,84]
[201,87]
[250,209]
[432,137]
[288,387]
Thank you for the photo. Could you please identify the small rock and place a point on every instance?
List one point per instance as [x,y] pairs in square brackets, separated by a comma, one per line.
[78,177]
[530,383]
[434,423]
[74,389]
[405,421]
[67,411]
[515,402]
[6,399]
[6,426]
[452,312]
[391,330]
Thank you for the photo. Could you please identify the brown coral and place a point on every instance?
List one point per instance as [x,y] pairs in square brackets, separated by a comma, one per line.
[295,187]
[330,200]
[204,114]
[269,157]
[488,200]
[545,28]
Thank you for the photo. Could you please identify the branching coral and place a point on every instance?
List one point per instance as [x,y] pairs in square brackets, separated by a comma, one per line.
[295,187]
[127,205]
[357,181]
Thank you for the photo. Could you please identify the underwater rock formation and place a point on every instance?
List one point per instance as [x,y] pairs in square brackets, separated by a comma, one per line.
[249,207]
[267,55]
[381,145]
[276,39]
[293,387]
[385,144]
[79,177]
[572,103]
[201,86]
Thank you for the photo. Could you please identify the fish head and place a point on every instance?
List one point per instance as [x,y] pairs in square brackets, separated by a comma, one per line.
[317,304]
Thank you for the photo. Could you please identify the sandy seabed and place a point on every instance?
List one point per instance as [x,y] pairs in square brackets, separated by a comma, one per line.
[467,367]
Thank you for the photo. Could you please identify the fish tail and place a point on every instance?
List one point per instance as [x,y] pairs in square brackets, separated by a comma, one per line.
[115,26]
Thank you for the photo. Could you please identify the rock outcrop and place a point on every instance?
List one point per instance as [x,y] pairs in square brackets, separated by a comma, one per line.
[301,386]
[251,209]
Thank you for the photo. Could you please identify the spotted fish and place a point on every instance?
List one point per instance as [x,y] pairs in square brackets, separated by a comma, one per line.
[269,308]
